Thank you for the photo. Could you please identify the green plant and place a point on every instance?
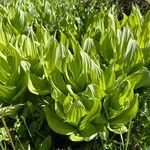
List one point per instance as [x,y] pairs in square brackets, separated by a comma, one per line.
[78,72]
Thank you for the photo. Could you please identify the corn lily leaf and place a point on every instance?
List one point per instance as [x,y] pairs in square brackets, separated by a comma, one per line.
[141,78]
[119,100]
[13,78]
[143,38]
[118,129]
[2,10]
[80,71]
[89,133]
[38,86]
[19,20]
[52,56]
[58,124]
[2,35]
[75,113]
[91,114]
[109,78]
[146,55]
[128,114]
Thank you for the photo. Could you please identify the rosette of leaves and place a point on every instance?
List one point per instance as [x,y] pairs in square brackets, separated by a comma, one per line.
[121,106]
[13,79]
[79,87]
[30,48]
[76,97]
[121,102]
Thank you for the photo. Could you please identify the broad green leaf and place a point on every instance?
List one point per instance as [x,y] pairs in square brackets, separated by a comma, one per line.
[128,114]
[80,70]
[67,103]
[38,86]
[53,54]
[57,124]
[146,55]
[106,49]
[19,20]
[93,113]
[7,92]
[57,95]
[89,133]
[75,113]
[5,71]
[119,100]
[58,80]
[118,129]
[2,10]
[141,78]
[109,75]
[40,30]
[3,39]
[143,38]
[93,91]
[59,109]
[28,48]
[75,45]
[133,59]
[13,77]
[89,47]
[123,40]
[21,87]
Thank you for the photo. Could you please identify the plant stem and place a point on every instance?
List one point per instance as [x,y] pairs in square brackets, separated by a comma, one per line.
[20,143]
[122,141]
[7,130]
[28,129]
[128,136]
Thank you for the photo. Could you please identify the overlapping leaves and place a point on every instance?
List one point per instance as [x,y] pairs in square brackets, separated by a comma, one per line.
[90,79]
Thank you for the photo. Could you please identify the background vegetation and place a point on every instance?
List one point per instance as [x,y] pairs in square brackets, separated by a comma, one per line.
[29,28]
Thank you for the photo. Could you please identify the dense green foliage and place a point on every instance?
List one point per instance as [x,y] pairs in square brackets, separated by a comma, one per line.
[74,70]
